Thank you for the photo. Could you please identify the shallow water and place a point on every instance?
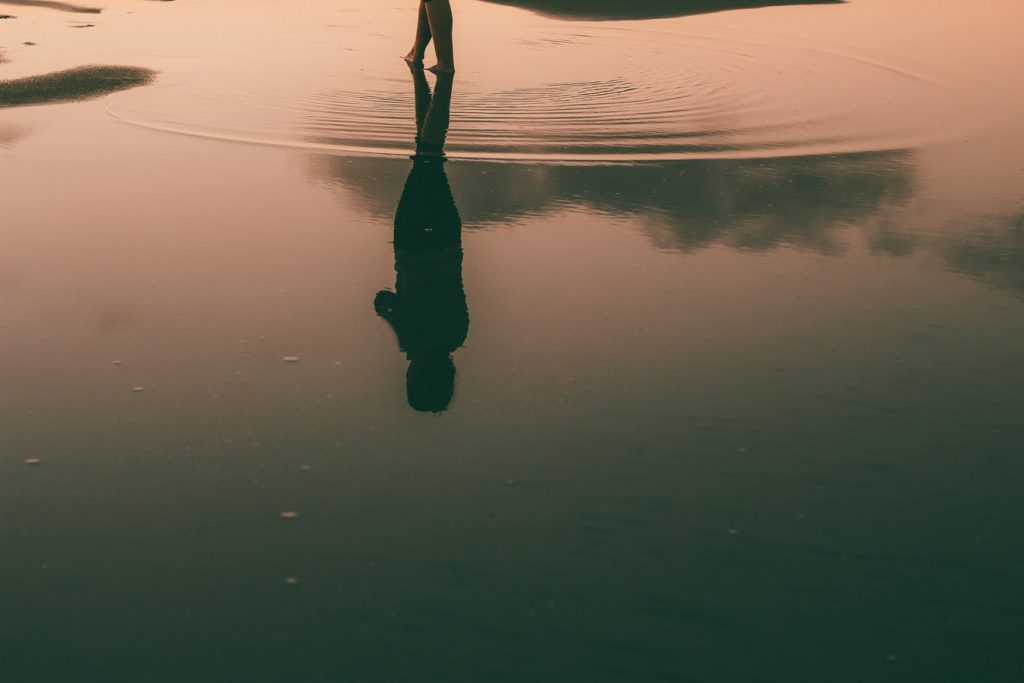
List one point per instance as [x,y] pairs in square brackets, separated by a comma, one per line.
[739,398]
[592,92]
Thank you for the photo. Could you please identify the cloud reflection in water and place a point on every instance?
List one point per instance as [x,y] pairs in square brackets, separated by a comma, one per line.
[748,204]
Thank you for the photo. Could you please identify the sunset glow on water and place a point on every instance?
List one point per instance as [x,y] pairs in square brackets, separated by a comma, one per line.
[697,357]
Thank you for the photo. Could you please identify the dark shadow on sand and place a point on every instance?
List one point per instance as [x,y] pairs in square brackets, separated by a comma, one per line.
[610,10]
[80,83]
[61,6]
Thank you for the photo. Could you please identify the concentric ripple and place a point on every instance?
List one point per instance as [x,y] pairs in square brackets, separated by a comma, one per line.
[602,94]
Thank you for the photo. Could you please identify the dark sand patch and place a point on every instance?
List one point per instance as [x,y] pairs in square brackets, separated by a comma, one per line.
[80,83]
[596,10]
[62,6]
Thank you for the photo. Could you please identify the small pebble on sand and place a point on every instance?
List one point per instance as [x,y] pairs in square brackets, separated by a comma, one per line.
[289,514]
[291,359]
[138,389]
[32,461]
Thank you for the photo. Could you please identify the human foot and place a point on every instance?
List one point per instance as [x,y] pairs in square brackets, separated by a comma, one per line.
[441,69]
[414,61]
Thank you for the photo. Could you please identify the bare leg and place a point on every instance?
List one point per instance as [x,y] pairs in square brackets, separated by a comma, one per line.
[415,56]
[439,15]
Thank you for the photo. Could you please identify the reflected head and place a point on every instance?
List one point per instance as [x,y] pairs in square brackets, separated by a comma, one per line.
[430,383]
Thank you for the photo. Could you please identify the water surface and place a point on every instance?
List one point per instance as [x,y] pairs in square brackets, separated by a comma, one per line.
[737,302]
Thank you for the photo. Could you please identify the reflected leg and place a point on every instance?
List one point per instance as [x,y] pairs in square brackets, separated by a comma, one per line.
[434,127]
[421,92]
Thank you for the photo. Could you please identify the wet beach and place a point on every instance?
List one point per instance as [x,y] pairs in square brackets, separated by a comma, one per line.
[697,357]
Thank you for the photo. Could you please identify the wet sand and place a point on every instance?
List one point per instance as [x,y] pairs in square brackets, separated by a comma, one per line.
[59,6]
[736,343]
[81,83]
[613,10]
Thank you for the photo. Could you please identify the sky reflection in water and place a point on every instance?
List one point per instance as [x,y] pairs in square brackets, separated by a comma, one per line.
[701,406]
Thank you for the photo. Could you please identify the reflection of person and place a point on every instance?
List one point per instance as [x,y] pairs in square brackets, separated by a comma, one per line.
[428,309]
[434,21]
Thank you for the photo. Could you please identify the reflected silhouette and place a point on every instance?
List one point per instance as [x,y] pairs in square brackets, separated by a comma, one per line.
[605,10]
[427,308]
